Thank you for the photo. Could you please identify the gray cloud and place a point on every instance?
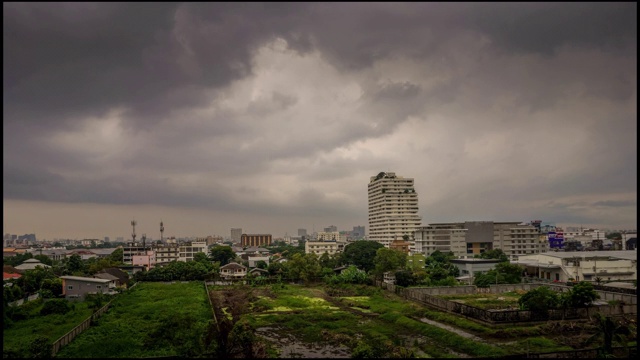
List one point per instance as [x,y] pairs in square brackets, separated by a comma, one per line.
[281,112]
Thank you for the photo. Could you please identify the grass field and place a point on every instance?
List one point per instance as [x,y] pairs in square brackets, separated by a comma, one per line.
[151,319]
[16,339]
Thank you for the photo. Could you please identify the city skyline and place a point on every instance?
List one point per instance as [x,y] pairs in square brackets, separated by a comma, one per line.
[273,117]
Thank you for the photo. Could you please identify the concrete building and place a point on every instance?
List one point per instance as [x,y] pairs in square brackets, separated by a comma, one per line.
[467,239]
[468,267]
[357,233]
[146,259]
[302,232]
[233,271]
[582,266]
[331,228]
[166,253]
[321,247]
[393,208]
[253,260]
[236,235]
[79,287]
[187,250]
[255,240]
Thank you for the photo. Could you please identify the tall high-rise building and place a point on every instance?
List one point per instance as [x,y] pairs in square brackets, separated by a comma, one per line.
[302,232]
[393,208]
[236,235]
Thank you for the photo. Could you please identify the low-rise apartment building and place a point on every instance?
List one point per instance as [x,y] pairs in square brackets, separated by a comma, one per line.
[321,247]
[467,239]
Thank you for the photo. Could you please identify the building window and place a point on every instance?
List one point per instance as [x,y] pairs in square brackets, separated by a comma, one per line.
[70,287]
[98,286]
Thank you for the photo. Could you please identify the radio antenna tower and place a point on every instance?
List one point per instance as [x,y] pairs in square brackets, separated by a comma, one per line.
[133,234]
[144,237]
[161,231]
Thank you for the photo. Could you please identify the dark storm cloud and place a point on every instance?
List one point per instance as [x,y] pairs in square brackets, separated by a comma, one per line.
[180,103]
[63,61]
[544,27]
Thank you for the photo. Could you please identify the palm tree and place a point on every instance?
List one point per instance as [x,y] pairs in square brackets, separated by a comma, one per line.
[610,331]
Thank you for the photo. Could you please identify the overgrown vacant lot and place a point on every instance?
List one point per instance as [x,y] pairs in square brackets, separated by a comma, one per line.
[488,301]
[365,321]
[151,319]
[16,339]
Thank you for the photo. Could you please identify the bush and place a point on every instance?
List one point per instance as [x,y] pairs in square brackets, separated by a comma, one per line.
[55,306]
[40,347]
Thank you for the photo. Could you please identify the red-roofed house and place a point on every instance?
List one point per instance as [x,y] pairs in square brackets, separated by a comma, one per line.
[7,276]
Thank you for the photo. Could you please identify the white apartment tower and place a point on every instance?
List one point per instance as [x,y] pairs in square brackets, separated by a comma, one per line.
[393,208]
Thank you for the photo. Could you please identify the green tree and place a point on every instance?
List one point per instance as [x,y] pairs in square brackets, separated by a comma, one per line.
[117,256]
[405,278]
[275,268]
[303,267]
[201,257]
[388,260]
[327,261]
[261,264]
[583,294]
[614,236]
[361,253]
[539,300]
[512,273]
[223,254]
[494,254]
[55,306]
[75,264]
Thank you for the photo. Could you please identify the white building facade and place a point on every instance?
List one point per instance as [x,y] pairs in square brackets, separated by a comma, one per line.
[393,208]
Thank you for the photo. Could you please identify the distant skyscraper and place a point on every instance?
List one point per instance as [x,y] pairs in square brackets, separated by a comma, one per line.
[358,232]
[236,235]
[393,208]
[106,239]
[331,228]
[302,232]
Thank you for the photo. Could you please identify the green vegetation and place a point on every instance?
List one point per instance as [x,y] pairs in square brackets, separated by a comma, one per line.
[29,326]
[361,254]
[222,254]
[311,315]
[150,319]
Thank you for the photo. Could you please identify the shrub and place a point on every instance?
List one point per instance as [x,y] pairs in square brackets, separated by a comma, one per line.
[55,306]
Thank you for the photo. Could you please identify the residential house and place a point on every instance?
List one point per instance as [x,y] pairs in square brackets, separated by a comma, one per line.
[233,271]
[30,264]
[123,277]
[258,272]
[9,276]
[79,287]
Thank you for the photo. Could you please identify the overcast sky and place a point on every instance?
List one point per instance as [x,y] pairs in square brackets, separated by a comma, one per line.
[273,117]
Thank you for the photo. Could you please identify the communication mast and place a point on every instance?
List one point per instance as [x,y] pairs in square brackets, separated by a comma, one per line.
[161,232]
[133,235]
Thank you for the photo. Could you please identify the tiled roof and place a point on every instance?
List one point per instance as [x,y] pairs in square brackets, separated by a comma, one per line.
[233,266]
[10,276]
